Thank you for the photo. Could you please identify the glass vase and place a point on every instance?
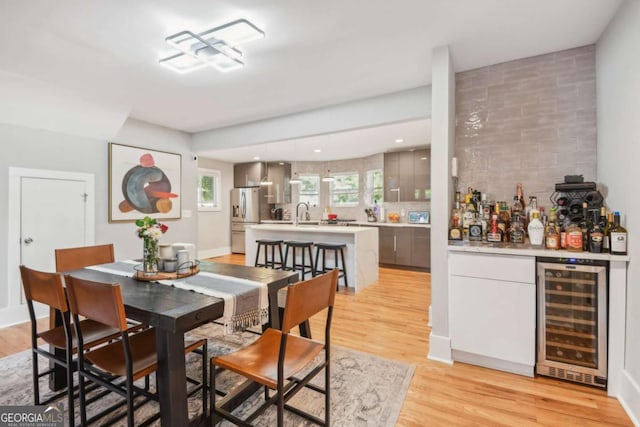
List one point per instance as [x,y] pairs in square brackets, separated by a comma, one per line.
[150,256]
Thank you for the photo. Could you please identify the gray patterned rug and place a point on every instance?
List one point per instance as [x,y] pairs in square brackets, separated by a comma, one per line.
[366,390]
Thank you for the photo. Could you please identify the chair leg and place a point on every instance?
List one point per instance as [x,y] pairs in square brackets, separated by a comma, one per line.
[130,408]
[71,411]
[280,403]
[286,258]
[83,400]
[313,273]
[204,379]
[315,264]
[344,268]
[280,250]
[36,386]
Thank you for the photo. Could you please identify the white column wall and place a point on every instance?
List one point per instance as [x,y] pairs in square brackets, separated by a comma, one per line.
[442,149]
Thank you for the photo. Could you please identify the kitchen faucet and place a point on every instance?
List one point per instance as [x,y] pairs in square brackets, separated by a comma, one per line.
[298,213]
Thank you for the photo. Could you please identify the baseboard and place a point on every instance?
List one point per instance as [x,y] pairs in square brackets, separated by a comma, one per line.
[210,253]
[492,363]
[15,315]
[440,349]
[629,397]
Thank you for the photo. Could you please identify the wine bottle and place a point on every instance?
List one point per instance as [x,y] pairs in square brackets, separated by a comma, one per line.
[617,236]
[596,235]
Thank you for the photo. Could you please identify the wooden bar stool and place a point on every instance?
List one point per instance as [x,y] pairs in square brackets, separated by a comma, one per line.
[269,262]
[336,248]
[302,266]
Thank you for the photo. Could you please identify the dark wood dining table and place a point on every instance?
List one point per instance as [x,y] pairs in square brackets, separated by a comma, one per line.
[172,312]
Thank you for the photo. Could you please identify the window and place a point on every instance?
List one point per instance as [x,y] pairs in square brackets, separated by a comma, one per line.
[374,187]
[310,189]
[345,190]
[209,190]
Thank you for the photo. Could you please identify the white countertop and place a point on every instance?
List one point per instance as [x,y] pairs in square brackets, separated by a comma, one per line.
[528,250]
[303,228]
[350,223]
[391,224]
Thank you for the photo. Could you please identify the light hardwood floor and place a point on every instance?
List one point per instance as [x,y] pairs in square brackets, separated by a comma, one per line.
[390,319]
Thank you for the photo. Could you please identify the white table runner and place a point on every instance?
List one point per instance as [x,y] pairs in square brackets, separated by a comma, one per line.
[246,302]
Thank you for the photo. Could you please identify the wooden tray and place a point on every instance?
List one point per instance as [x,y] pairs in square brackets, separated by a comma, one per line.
[162,275]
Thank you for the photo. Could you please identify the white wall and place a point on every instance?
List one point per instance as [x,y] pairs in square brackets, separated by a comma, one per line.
[618,94]
[442,149]
[214,227]
[40,149]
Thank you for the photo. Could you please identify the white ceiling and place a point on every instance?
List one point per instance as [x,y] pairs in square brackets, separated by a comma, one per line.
[315,54]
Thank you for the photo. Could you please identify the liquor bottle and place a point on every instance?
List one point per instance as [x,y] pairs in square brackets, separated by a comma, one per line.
[596,235]
[516,208]
[504,221]
[455,231]
[536,229]
[617,237]
[516,233]
[520,196]
[573,237]
[475,230]
[585,225]
[552,236]
[494,234]
[602,222]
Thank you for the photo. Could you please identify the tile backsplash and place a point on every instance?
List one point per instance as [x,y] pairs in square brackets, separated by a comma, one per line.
[531,121]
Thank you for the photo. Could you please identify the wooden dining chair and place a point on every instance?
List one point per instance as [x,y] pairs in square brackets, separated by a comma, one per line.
[132,357]
[69,259]
[47,288]
[276,357]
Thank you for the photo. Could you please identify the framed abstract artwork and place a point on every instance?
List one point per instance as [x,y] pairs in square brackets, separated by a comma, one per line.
[143,182]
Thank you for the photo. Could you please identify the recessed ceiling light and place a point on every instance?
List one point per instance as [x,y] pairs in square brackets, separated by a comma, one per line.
[317,150]
[423,158]
[256,157]
[281,163]
[399,141]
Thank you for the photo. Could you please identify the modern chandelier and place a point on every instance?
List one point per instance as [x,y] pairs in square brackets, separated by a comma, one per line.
[216,47]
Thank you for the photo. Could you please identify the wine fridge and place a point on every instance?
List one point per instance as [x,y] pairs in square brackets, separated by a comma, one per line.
[572,319]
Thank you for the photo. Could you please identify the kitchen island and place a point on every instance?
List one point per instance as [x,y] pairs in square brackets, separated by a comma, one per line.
[361,255]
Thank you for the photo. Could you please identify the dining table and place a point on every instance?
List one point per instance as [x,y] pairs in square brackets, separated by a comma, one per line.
[173,311]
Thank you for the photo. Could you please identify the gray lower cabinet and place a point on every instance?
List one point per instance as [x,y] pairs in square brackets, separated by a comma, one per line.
[421,248]
[404,246]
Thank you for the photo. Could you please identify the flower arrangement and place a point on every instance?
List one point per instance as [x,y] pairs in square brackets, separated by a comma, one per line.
[150,230]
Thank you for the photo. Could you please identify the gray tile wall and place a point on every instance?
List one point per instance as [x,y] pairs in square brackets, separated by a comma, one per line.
[531,121]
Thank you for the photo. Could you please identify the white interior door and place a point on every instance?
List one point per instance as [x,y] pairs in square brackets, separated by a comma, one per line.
[52,215]
[47,210]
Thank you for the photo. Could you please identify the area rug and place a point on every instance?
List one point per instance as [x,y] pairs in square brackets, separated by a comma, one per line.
[366,390]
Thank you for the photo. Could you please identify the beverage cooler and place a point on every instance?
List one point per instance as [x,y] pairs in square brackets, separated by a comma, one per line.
[572,320]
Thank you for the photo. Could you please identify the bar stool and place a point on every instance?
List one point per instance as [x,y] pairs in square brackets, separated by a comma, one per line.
[269,263]
[335,247]
[303,266]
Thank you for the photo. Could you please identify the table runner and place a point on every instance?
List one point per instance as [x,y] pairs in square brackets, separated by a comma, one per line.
[246,302]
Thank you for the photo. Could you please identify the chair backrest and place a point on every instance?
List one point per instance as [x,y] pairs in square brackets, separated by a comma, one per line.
[45,288]
[304,299]
[97,301]
[70,259]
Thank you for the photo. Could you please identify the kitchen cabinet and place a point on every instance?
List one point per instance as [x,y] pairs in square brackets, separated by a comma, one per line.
[280,190]
[407,176]
[251,174]
[247,174]
[422,175]
[493,310]
[421,247]
[404,246]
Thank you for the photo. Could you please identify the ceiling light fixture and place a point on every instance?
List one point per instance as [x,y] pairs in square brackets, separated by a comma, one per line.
[215,47]
[317,150]
[328,177]
[295,179]
[399,141]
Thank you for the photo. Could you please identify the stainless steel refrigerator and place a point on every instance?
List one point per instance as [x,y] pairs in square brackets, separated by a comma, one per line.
[245,211]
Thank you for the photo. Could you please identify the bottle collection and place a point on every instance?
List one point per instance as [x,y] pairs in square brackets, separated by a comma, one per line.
[590,229]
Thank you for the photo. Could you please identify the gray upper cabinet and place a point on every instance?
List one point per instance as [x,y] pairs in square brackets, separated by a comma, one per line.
[247,174]
[422,175]
[280,189]
[407,176]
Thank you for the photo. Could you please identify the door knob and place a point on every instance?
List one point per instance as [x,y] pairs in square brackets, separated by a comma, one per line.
[28,241]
